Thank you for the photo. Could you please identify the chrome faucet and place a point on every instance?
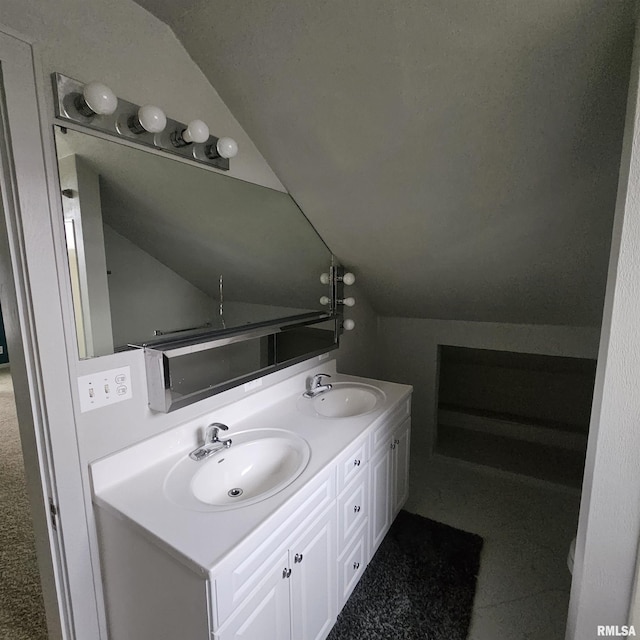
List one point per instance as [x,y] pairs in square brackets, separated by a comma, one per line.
[315,386]
[212,444]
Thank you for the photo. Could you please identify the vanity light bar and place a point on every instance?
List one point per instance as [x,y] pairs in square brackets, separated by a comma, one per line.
[95,106]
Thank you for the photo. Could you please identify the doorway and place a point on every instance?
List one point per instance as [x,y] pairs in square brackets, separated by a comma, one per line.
[22,614]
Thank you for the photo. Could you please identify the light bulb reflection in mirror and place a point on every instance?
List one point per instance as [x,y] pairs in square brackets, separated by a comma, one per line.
[325,300]
[348,324]
[349,302]
[324,278]
[348,278]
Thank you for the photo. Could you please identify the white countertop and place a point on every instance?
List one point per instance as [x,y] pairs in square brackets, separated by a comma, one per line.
[129,484]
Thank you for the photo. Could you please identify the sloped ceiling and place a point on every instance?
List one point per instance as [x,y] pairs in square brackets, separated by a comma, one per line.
[461,157]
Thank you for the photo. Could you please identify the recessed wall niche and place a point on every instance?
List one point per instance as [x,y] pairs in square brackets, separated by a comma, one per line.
[517,412]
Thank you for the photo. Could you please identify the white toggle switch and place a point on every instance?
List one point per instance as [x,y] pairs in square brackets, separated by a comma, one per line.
[104,388]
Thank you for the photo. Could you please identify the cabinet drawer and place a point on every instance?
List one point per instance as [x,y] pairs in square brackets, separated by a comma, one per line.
[352,462]
[248,564]
[351,566]
[380,436]
[353,511]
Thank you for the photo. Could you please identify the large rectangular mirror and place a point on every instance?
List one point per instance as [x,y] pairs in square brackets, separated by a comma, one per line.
[159,248]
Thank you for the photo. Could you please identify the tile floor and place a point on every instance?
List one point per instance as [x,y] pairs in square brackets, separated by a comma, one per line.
[523,586]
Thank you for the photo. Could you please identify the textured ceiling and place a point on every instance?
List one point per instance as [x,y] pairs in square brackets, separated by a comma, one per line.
[461,157]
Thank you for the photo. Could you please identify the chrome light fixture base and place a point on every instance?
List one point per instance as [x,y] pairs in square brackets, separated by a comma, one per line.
[66,99]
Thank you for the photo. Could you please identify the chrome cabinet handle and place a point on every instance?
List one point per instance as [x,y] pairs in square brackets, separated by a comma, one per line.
[356,565]
[393,445]
[298,557]
[286,572]
[356,463]
[396,442]
[356,509]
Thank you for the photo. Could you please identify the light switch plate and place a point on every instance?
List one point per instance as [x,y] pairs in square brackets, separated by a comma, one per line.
[104,388]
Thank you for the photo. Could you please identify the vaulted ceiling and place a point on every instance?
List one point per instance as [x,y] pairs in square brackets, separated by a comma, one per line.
[461,157]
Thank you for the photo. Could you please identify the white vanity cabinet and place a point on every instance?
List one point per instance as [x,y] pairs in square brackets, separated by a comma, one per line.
[261,572]
[353,517]
[389,473]
[400,451]
[296,599]
[267,612]
[282,586]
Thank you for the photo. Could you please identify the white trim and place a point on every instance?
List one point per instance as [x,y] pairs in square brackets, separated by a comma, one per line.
[42,301]
[609,521]
[15,60]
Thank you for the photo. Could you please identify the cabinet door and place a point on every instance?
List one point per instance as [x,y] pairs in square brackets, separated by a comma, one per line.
[380,512]
[400,469]
[313,580]
[265,615]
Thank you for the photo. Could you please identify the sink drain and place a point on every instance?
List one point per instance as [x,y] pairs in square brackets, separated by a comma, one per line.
[234,493]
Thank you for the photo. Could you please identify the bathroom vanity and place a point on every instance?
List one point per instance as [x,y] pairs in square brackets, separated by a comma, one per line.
[271,547]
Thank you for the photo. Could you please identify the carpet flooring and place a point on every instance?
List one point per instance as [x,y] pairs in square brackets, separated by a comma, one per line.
[21,607]
[419,585]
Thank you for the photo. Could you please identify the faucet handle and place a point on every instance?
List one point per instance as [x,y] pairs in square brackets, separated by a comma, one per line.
[211,432]
[317,379]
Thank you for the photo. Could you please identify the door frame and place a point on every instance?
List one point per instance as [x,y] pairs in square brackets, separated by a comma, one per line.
[42,349]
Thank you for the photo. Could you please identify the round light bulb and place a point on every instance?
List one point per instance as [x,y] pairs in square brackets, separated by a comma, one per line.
[226,147]
[152,119]
[348,278]
[349,324]
[349,302]
[324,278]
[196,131]
[324,300]
[99,98]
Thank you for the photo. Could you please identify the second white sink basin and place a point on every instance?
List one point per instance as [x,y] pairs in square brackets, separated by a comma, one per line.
[344,400]
[259,464]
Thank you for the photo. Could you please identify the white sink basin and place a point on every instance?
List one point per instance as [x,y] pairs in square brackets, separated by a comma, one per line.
[259,464]
[344,400]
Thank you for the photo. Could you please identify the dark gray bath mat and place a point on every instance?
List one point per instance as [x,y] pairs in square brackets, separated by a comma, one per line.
[419,585]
